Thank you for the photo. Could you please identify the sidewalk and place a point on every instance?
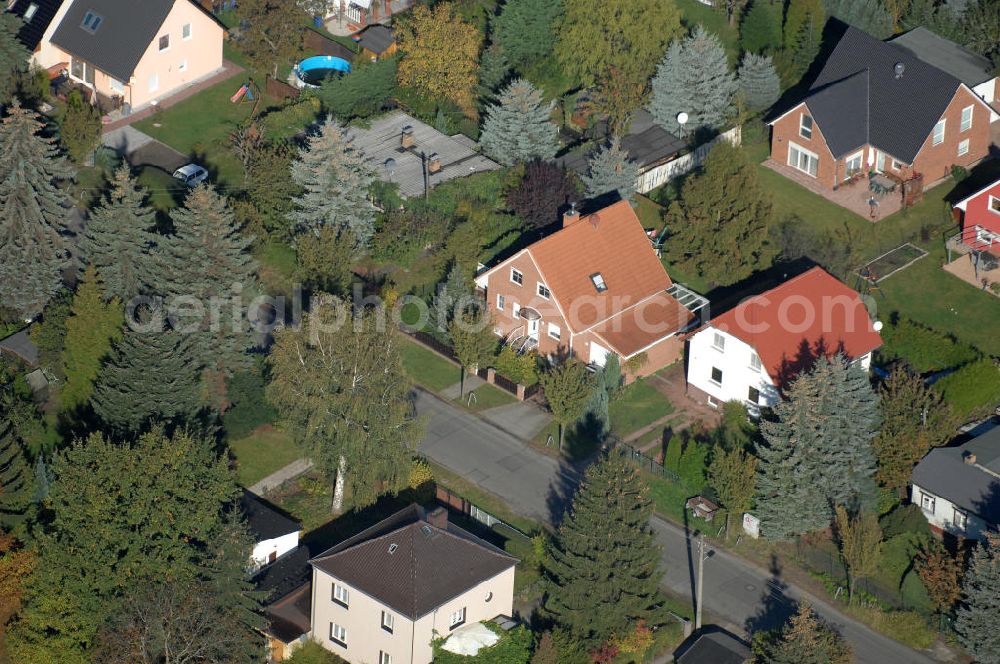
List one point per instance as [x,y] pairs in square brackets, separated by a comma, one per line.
[282,475]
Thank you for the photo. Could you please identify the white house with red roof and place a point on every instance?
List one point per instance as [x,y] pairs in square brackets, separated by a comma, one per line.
[750,352]
[979,216]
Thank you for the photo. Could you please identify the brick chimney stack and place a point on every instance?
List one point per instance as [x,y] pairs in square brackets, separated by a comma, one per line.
[438,517]
[571,216]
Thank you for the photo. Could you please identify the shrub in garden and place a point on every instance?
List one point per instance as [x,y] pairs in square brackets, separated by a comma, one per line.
[924,349]
[250,409]
[972,390]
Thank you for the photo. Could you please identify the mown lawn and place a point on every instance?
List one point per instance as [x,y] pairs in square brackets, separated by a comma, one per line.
[263,452]
[277,268]
[715,21]
[640,406]
[426,368]
[487,396]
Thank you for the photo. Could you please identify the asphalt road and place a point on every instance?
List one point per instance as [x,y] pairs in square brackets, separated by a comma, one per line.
[740,595]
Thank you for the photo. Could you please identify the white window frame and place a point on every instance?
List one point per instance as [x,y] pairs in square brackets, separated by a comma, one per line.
[935,138]
[897,165]
[927,499]
[719,342]
[757,390]
[520,276]
[711,376]
[501,301]
[966,124]
[807,153]
[993,204]
[341,595]
[388,621]
[963,147]
[960,519]
[154,82]
[554,332]
[755,364]
[858,157]
[543,291]
[30,12]
[457,618]
[804,131]
[597,279]
[189,29]
[384,657]
[159,42]
[116,85]
[338,634]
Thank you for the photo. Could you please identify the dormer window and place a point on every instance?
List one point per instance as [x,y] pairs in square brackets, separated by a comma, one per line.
[91,21]
[598,282]
[29,13]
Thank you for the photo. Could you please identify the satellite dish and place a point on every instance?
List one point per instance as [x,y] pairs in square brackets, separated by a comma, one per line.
[878,326]
[682,118]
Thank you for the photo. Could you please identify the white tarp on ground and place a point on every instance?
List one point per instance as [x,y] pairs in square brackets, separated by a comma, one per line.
[469,640]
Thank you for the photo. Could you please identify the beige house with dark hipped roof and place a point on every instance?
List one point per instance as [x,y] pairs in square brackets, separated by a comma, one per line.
[384,595]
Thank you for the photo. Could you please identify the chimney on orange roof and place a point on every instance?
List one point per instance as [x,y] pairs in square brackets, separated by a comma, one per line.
[571,216]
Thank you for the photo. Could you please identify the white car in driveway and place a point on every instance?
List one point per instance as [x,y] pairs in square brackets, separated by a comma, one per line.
[191,175]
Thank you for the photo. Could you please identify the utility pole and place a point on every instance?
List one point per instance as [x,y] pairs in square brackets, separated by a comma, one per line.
[701,580]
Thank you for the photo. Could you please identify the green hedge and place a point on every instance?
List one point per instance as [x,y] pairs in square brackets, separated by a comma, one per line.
[514,647]
[924,349]
[972,390]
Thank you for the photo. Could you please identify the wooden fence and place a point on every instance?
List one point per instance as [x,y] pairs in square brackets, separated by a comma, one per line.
[317,44]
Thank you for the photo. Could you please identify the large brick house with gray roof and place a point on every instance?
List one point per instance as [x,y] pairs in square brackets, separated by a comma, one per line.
[876,106]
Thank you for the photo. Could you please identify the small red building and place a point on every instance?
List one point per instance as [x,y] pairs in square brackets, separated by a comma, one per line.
[979,216]
[875,106]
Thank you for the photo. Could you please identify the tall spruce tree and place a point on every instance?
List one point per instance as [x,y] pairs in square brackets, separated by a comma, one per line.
[802,35]
[336,179]
[915,418]
[453,295]
[868,15]
[119,242]
[725,204]
[693,78]
[518,128]
[343,390]
[759,81]
[817,449]
[760,31]
[208,259]
[806,639]
[525,29]
[13,56]
[15,473]
[603,568]
[609,169]
[126,517]
[33,211]
[979,608]
[91,328]
[151,375]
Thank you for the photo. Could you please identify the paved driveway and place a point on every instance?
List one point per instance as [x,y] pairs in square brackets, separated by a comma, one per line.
[741,595]
[140,149]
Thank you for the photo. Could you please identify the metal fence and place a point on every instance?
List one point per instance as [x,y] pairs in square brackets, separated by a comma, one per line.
[460,504]
[646,462]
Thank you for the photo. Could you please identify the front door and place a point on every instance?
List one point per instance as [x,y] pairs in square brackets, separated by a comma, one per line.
[533,328]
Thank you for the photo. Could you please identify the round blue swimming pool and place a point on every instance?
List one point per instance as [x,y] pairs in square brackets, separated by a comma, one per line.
[312,71]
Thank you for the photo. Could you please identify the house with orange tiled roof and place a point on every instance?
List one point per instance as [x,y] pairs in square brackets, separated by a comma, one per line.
[750,352]
[592,288]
